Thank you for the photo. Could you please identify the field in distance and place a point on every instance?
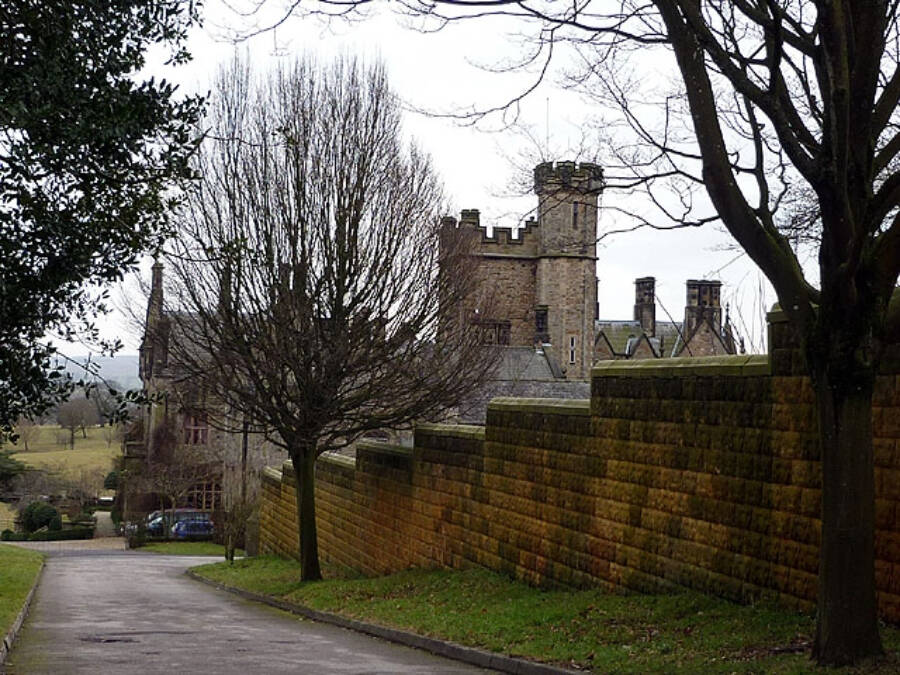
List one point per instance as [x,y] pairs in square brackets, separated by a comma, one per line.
[50,450]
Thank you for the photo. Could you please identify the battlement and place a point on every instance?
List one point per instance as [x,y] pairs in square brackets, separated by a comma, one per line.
[585,177]
[501,240]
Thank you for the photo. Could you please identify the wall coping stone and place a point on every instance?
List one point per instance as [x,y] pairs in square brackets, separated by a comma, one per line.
[710,366]
[384,448]
[554,406]
[272,473]
[457,430]
[777,315]
[337,458]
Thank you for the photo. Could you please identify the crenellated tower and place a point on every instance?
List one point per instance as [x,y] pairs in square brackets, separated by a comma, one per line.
[566,274]
[540,282]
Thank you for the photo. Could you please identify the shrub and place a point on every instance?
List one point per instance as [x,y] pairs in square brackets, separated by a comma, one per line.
[111,482]
[62,535]
[9,535]
[40,514]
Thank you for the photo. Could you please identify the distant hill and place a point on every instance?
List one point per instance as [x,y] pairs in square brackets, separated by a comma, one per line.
[122,369]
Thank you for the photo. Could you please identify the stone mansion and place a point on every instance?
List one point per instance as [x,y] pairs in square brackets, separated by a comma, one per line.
[544,307]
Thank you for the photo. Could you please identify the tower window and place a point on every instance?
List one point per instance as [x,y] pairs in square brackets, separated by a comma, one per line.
[572,349]
[540,325]
[574,215]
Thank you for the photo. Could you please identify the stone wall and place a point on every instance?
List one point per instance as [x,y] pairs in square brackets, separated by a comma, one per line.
[508,286]
[475,409]
[696,473]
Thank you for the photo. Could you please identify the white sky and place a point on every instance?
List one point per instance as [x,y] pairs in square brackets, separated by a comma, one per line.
[439,72]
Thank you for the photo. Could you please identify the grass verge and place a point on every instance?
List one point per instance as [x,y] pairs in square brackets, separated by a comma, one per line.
[187,548]
[680,633]
[18,569]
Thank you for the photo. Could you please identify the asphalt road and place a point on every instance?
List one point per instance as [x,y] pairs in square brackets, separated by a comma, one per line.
[127,612]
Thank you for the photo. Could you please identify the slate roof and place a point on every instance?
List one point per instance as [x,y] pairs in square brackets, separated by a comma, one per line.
[524,363]
[623,335]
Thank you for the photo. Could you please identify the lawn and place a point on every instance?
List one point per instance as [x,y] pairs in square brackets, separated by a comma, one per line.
[187,548]
[680,633]
[91,454]
[18,569]
[8,514]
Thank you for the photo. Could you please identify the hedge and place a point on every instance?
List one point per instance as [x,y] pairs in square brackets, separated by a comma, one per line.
[49,535]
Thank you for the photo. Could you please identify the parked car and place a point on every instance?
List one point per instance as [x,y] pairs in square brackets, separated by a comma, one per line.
[193,529]
[164,521]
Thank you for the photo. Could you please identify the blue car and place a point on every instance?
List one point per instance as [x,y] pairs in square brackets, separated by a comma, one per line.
[159,522]
[193,529]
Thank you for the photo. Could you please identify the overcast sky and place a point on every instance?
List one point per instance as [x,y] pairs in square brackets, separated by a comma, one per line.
[440,72]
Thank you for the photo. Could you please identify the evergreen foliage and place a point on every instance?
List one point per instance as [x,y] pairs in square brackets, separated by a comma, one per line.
[87,153]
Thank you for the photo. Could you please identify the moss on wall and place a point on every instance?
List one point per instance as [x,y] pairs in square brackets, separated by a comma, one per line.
[703,477]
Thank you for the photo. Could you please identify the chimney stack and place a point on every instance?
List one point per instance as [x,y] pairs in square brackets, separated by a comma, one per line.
[645,304]
[702,302]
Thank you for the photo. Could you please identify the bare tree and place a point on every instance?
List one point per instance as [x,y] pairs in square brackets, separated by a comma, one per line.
[173,479]
[28,431]
[308,272]
[75,414]
[771,93]
[113,432]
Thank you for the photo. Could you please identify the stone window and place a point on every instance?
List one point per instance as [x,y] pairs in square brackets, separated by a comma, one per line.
[494,332]
[574,215]
[540,325]
[572,348]
[503,333]
[206,496]
[196,429]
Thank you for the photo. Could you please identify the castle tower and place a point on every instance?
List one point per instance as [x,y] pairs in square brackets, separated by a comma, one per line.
[702,302]
[645,304]
[566,275]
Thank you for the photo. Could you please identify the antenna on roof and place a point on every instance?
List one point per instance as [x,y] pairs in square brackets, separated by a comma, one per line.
[547,129]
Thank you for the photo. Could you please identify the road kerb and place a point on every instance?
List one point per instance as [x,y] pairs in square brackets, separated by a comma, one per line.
[450,650]
[10,636]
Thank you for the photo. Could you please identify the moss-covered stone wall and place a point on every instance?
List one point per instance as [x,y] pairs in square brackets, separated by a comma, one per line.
[698,473]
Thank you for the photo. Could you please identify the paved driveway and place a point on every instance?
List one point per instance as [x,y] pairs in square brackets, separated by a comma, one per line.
[128,612]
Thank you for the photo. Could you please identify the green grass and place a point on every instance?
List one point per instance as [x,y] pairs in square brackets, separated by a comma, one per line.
[187,548]
[18,569]
[680,633]
[7,512]
[90,455]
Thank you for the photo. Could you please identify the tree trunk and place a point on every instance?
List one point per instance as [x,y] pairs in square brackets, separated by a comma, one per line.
[229,548]
[847,626]
[167,525]
[305,477]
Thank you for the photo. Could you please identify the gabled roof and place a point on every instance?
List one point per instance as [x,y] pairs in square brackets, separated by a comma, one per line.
[525,363]
[704,327]
[634,344]
[624,337]
[617,333]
